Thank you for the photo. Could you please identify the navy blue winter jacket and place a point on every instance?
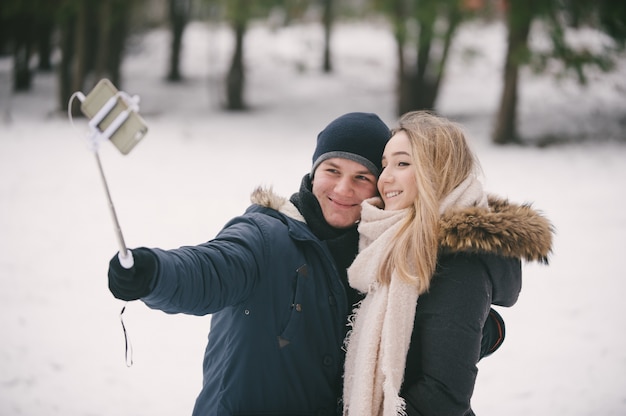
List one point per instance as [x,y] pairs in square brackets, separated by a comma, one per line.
[279,315]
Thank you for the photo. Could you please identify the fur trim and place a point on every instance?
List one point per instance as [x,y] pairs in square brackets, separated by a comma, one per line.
[505,228]
[266,197]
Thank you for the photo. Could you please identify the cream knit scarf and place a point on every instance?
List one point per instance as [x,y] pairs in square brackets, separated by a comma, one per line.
[382,325]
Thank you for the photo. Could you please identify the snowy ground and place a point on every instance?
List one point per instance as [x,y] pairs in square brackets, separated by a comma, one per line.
[62,350]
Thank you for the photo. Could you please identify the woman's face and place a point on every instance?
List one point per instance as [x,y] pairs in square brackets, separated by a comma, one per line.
[397,184]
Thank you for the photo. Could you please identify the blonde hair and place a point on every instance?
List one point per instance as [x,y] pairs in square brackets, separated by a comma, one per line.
[442,160]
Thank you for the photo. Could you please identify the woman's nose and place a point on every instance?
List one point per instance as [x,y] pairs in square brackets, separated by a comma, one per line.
[385,175]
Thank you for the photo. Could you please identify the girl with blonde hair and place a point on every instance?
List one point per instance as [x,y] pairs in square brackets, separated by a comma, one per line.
[435,252]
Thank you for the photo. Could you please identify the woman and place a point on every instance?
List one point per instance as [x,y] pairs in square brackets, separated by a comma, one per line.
[436,235]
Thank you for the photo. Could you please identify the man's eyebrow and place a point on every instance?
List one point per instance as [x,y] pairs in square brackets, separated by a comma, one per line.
[364,171]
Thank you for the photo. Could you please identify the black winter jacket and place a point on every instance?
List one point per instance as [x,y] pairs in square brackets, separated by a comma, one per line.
[475,270]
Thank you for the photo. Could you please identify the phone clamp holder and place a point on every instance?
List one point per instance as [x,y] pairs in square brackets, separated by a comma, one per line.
[98,136]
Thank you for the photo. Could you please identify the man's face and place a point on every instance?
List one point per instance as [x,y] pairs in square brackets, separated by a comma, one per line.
[340,185]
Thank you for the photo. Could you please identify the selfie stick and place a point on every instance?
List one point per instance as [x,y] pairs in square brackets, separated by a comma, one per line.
[97,136]
[125,255]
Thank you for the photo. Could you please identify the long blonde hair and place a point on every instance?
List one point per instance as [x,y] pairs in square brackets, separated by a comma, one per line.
[442,160]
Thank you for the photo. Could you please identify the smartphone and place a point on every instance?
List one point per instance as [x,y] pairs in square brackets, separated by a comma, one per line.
[130,132]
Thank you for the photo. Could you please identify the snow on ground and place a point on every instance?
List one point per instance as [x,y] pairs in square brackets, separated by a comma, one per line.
[63,348]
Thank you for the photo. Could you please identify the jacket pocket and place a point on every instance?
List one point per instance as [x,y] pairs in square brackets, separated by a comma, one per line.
[290,333]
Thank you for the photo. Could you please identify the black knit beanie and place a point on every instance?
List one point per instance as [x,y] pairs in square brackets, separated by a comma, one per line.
[360,137]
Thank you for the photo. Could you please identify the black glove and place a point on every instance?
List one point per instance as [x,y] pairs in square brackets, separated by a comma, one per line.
[493,334]
[133,283]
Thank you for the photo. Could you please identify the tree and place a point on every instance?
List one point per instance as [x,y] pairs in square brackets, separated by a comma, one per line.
[436,22]
[519,19]
[112,20]
[612,19]
[238,14]
[26,30]
[68,16]
[179,15]
[327,22]
[23,28]
[235,78]
[557,16]
[93,35]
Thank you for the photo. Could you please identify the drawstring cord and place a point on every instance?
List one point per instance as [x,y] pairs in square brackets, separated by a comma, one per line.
[128,347]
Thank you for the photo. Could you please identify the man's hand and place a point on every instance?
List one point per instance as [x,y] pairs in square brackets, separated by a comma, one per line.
[133,283]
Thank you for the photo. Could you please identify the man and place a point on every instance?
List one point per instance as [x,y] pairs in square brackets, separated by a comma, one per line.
[274,280]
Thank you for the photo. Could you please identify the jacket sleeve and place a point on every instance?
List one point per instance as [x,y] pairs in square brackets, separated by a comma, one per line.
[446,341]
[203,279]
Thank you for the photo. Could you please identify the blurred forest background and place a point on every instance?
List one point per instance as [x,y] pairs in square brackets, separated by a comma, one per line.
[86,40]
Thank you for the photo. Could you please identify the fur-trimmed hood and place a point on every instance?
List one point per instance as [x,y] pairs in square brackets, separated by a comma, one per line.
[509,229]
[266,197]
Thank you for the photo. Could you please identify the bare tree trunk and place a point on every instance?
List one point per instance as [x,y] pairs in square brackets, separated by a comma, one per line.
[22,28]
[45,27]
[403,88]
[67,31]
[179,15]
[403,83]
[78,71]
[421,81]
[328,21]
[519,20]
[103,49]
[236,78]
[117,38]
[454,19]
[74,64]
[427,75]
